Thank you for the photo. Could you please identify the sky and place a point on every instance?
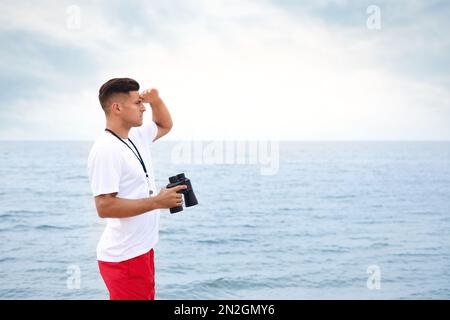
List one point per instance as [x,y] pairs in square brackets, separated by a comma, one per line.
[231,69]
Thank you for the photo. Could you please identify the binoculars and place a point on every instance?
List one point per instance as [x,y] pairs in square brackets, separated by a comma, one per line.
[189,196]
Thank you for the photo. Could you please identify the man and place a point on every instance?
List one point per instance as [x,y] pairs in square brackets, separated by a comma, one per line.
[122,181]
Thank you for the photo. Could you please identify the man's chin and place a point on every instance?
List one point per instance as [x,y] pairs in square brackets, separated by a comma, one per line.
[139,124]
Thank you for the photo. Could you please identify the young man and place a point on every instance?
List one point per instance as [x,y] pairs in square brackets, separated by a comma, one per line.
[122,181]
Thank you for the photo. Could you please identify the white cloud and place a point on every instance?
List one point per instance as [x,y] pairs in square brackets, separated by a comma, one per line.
[248,70]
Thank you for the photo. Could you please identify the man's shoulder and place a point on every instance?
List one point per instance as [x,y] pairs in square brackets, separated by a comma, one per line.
[145,133]
[103,145]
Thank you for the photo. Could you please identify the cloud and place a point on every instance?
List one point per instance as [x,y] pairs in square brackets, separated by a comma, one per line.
[232,70]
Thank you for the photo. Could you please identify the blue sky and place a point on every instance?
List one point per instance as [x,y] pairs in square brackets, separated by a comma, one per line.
[244,70]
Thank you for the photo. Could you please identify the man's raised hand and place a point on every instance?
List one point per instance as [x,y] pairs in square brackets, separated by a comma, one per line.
[149,96]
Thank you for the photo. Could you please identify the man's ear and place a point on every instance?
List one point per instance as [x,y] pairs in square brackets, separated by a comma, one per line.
[115,106]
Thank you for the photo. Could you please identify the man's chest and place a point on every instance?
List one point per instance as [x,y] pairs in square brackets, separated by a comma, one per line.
[136,163]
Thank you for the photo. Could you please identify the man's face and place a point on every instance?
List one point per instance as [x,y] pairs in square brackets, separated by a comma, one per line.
[132,109]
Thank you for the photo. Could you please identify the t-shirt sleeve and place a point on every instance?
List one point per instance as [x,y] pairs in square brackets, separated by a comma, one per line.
[147,132]
[104,172]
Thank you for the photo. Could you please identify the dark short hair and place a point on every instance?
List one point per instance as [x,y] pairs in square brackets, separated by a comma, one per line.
[113,86]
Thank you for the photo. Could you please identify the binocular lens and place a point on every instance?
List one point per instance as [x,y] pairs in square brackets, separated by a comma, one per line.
[190,199]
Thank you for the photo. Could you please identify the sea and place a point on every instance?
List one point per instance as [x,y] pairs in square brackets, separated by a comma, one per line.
[275,220]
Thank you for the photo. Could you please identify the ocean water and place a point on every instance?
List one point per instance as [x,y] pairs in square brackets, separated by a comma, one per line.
[315,229]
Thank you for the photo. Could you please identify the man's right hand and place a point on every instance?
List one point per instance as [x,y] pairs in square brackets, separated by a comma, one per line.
[169,198]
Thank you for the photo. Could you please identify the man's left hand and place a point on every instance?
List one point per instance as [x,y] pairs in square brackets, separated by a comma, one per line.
[149,96]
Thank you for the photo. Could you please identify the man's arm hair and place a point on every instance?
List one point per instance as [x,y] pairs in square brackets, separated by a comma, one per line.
[109,206]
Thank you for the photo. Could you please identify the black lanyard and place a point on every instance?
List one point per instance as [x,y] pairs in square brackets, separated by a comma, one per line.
[138,155]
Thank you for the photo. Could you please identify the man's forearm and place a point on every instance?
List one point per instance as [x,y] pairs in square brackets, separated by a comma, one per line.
[161,115]
[124,208]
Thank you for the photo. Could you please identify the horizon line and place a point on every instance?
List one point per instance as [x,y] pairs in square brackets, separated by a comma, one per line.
[237,140]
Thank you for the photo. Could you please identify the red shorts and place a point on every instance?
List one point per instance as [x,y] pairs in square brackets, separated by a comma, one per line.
[132,279]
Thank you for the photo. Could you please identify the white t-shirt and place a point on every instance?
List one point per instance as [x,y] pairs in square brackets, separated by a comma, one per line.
[112,167]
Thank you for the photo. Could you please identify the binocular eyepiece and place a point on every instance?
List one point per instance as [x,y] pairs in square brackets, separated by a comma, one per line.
[189,196]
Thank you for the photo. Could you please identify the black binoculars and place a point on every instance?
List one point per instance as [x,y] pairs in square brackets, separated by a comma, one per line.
[189,196]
